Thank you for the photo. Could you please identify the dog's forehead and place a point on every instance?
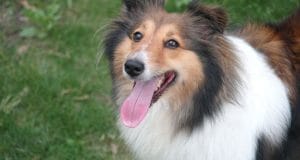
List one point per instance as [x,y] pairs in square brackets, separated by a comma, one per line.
[163,21]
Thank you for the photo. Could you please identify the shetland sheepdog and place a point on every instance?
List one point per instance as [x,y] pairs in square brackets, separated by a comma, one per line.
[188,90]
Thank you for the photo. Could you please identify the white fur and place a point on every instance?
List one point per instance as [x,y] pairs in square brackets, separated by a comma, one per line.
[263,109]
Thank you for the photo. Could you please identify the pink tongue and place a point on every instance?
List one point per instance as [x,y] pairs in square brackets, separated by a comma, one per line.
[135,107]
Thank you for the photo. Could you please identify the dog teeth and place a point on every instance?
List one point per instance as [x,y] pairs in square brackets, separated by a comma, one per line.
[159,84]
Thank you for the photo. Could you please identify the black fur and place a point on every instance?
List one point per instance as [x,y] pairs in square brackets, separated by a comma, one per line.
[266,151]
[114,37]
[205,100]
[293,141]
[202,41]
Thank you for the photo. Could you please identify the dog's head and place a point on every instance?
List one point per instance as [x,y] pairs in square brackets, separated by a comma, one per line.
[158,55]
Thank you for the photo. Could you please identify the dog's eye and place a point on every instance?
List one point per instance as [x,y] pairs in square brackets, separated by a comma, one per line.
[172,44]
[137,36]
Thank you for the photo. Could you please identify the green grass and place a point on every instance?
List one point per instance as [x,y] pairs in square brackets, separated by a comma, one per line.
[54,99]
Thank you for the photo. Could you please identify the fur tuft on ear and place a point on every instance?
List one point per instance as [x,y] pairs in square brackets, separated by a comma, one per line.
[216,17]
[133,5]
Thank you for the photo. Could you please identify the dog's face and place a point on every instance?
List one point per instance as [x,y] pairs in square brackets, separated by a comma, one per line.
[158,55]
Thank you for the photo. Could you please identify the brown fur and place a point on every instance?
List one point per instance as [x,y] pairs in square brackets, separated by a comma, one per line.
[281,46]
[290,31]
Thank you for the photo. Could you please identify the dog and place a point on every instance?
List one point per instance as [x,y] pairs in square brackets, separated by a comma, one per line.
[188,90]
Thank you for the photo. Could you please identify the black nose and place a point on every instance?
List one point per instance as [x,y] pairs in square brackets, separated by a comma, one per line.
[134,68]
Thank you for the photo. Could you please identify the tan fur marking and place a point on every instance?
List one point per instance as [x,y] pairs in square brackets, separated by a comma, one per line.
[192,76]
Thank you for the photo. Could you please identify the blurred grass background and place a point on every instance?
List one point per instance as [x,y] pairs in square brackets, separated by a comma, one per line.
[55,90]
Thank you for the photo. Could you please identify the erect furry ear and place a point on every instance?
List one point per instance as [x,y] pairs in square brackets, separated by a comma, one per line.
[132,5]
[216,16]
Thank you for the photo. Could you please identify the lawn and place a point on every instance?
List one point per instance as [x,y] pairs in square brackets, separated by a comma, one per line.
[55,89]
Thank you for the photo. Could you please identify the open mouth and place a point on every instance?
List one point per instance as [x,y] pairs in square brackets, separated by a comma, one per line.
[142,96]
[166,80]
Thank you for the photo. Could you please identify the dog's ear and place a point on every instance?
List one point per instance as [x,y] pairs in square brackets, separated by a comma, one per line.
[216,17]
[134,5]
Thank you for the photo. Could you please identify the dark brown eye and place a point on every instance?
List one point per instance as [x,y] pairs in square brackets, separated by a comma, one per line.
[137,36]
[172,44]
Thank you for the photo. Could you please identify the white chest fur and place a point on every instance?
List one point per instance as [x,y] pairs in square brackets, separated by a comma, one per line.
[263,109]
